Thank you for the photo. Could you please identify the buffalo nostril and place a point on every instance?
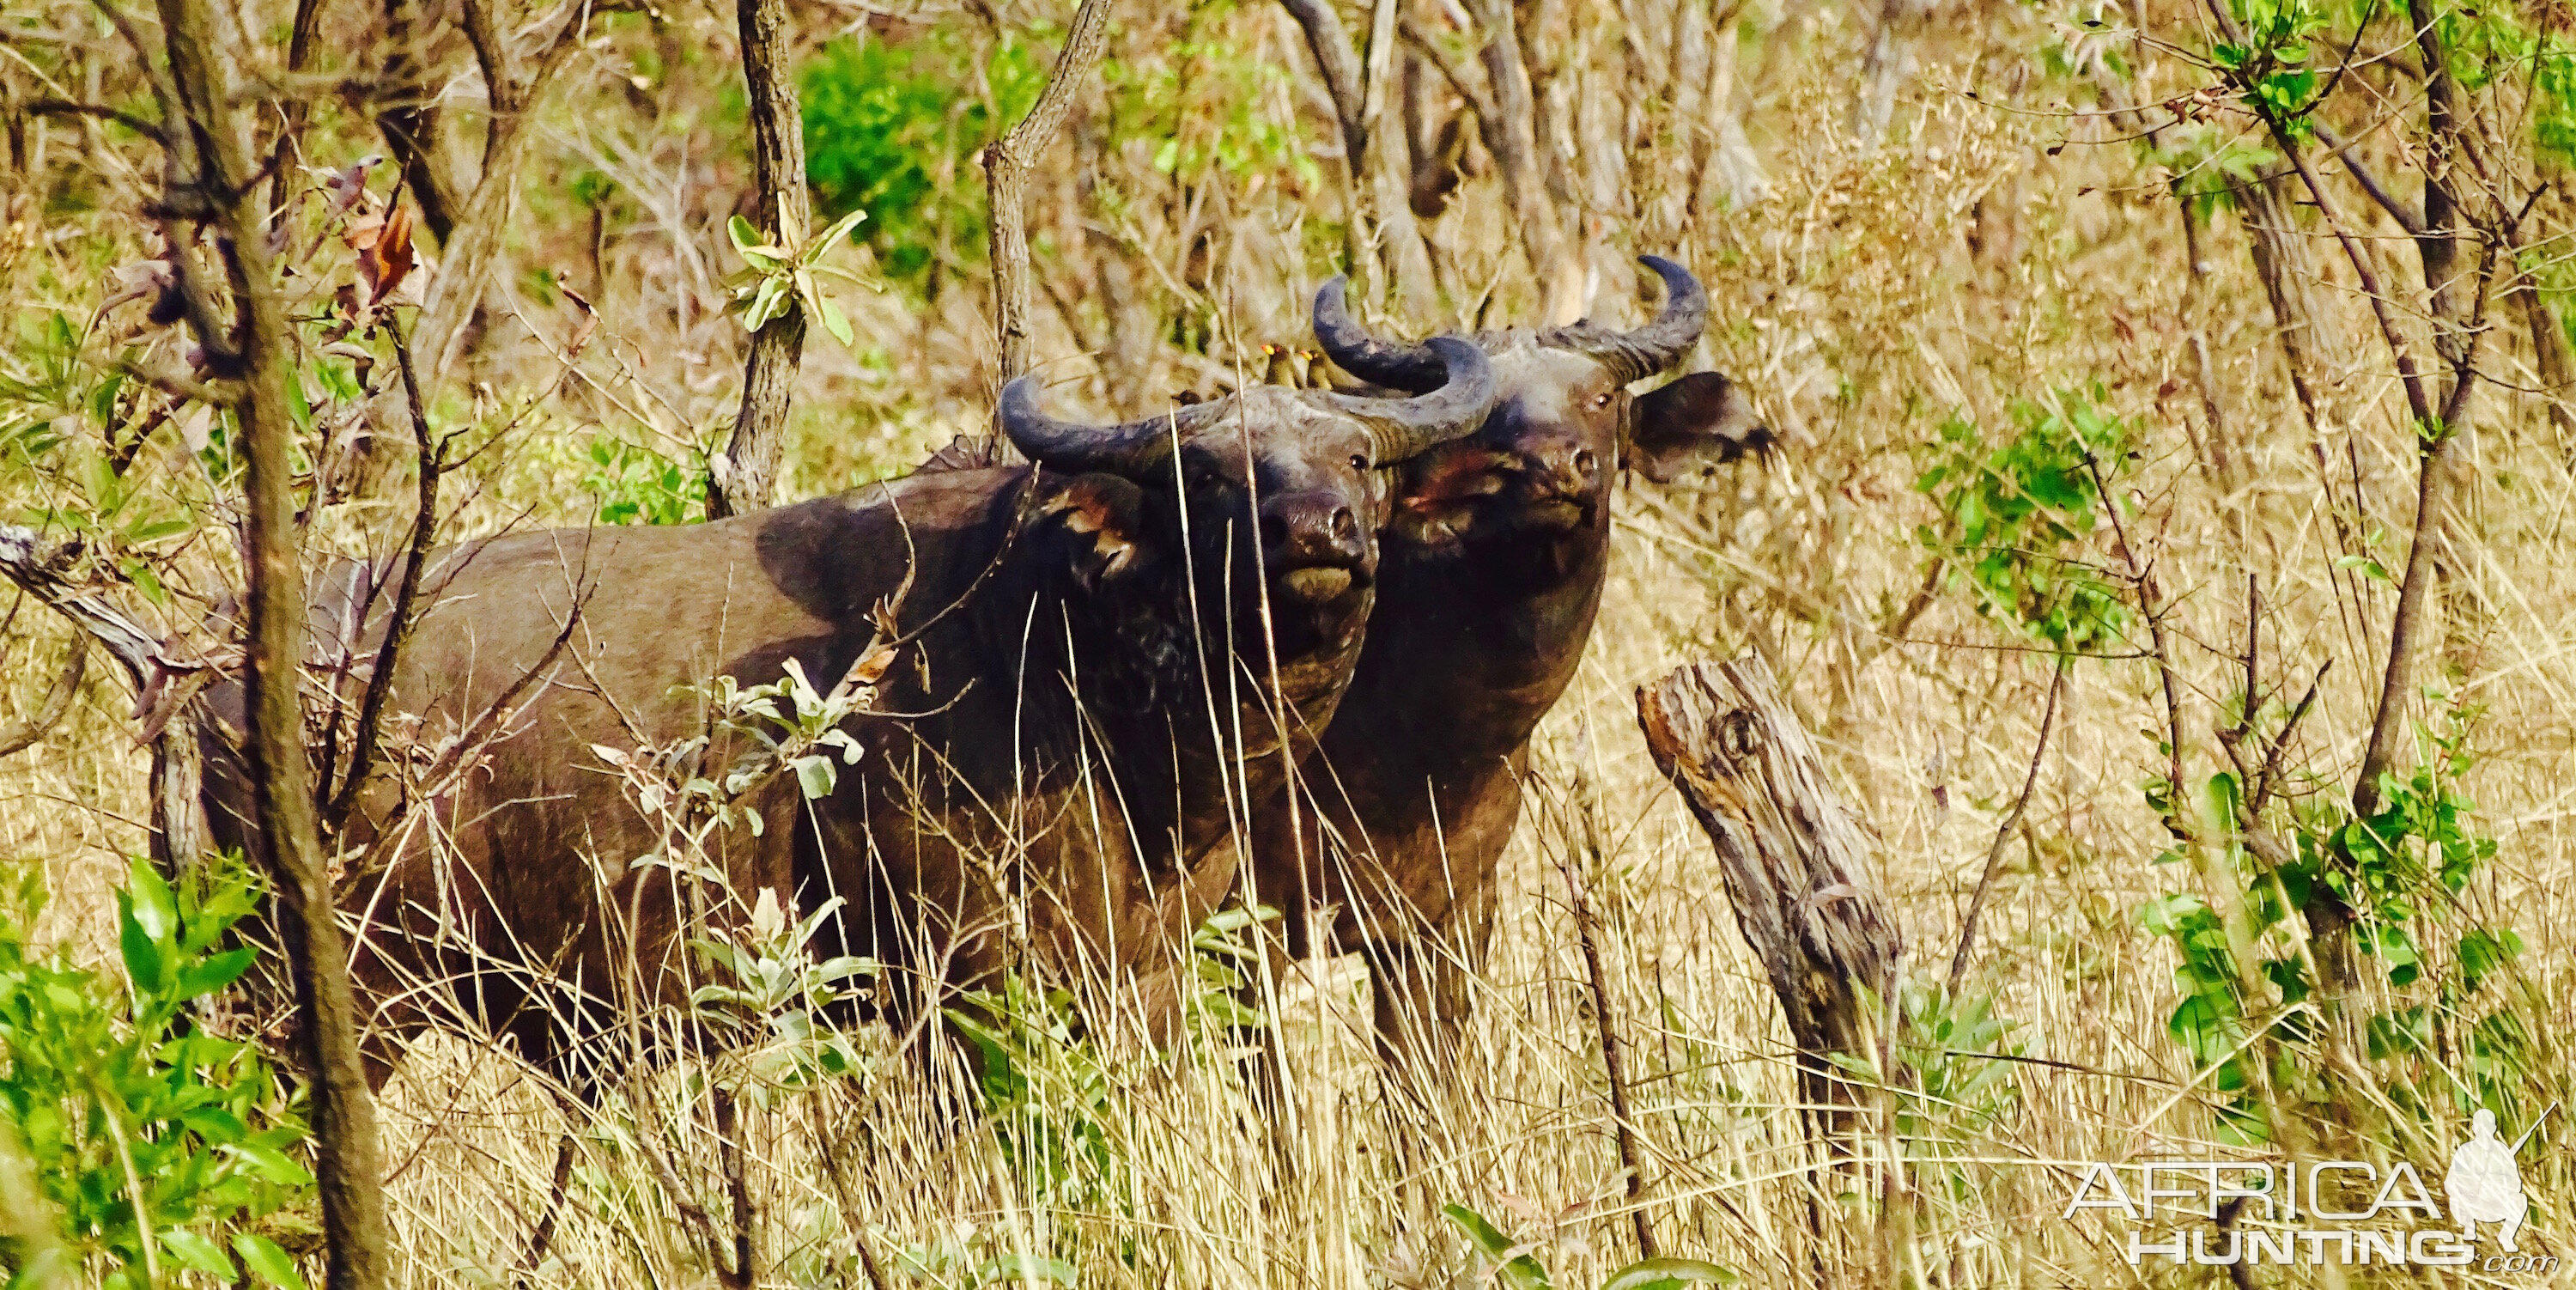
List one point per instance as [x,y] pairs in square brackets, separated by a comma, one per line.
[1584,462]
[1345,525]
[1274,530]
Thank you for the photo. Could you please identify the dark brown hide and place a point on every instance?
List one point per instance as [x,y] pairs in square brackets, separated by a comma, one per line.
[1094,674]
[1490,576]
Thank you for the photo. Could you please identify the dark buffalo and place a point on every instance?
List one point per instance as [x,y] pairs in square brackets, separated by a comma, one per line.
[1490,576]
[1105,650]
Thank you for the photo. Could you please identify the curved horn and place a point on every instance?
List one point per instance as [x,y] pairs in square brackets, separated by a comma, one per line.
[1398,367]
[1636,355]
[1453,410]
[1131,449]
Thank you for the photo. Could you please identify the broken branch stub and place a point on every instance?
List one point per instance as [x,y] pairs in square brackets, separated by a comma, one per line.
[1794,862]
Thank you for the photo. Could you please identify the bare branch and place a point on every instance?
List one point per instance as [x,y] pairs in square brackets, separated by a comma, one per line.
[2003,832]
[65,107]
[1478,101]
[398,624]
[1006,164]
[1339,62]
[2340,150]
[43,572]
[18,736]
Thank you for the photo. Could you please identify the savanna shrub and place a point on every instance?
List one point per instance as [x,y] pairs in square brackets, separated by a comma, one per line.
[158,1147]
[887,132]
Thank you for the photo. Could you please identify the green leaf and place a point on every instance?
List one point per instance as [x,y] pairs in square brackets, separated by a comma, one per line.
[142,954]
[753,251]
[102,401]
[1520,1271]
[272,1265]
[299,407]
[198,1254]
[834,236]
[1670,1274]
[106,490]
[815,775]
[153,907]
[206,976]
[834,322]
[272,1164]
[769,302]
[143,531]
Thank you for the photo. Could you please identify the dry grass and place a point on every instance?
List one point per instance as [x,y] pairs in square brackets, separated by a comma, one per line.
[1851,303]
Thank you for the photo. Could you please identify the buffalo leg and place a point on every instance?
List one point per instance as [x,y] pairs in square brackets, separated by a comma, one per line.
[1419,987]
[1421,984]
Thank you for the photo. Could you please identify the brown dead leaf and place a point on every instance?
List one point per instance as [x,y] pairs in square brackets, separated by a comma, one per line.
[871,666]
[387,259]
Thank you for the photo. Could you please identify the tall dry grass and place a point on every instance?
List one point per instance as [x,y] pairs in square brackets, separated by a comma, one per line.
[1864,292]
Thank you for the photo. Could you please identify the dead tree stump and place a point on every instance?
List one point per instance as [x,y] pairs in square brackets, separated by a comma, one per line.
[1795,865]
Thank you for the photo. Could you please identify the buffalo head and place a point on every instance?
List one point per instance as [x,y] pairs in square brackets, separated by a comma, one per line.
[1279,492]
[1563,418]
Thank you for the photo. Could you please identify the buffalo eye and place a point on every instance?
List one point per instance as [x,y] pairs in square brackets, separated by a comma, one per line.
[1360,462]
[1601,400]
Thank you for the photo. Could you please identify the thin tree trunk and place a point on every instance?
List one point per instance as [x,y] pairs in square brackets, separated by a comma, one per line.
[514,86]
[1511,134]
[299,52]
[350,1166]
[2458,298]
[1377,153]
[2282,260]
[1339,64]
[1006,171]
[409,125]
[2549,352]
[1404,258]
[465,258]
[778,156]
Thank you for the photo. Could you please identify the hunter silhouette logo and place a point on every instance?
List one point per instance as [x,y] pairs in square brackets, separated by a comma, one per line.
[2356,1213]
[2485,1185]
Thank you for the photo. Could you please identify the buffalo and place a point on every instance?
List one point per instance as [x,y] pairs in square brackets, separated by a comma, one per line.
[1101,656]
[1491,574]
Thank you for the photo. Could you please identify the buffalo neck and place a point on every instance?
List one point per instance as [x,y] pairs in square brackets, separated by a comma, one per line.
[1502,623]
[1165,674]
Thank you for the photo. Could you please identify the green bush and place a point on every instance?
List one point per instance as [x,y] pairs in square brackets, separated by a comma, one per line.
[157,1147]
[886,131]
[2019,518]
[633,484]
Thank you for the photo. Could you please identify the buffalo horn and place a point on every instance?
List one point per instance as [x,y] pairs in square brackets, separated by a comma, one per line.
[1354,350]
[1636,355]
[1132,449]
[1630,355]
[1452,409]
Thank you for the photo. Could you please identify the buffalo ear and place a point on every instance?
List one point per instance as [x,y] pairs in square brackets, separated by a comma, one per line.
[1695,424]
[1097,522]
